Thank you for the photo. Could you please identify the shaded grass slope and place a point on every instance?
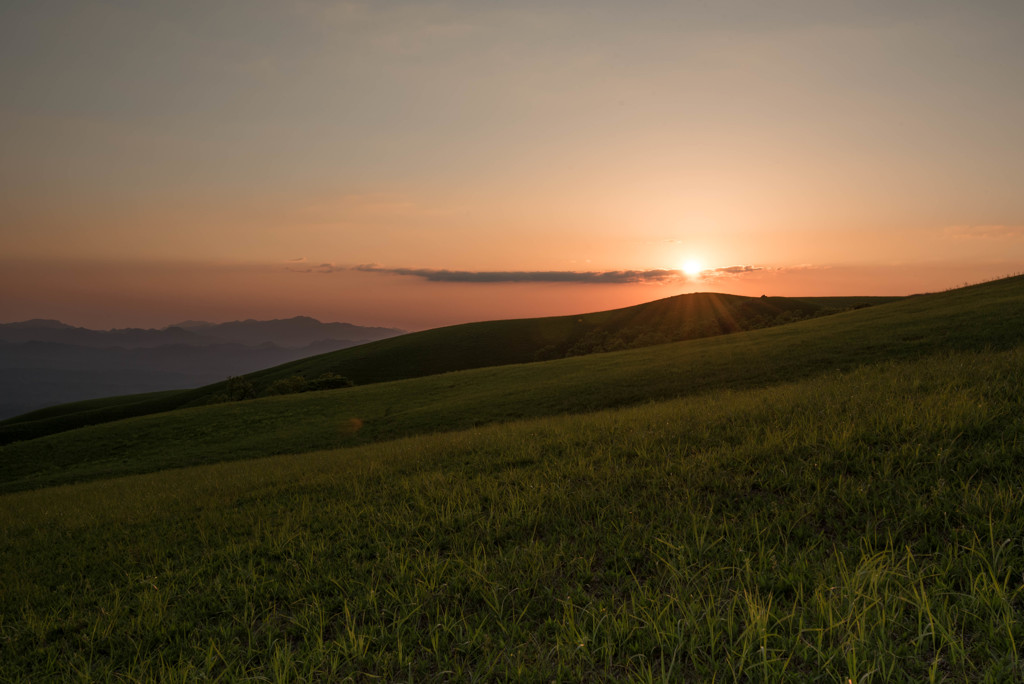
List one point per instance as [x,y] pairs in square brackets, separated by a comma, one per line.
[495,343]
[862,525]
[473,345]
[989,316]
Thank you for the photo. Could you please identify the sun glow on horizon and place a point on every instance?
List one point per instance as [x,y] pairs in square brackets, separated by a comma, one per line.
[691,268]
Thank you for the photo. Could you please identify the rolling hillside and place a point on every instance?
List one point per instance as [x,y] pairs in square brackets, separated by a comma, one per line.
[496,343]
[473,345]
[836,499]
[985,317]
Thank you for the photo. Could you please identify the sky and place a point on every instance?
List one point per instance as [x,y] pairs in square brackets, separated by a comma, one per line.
[417,164]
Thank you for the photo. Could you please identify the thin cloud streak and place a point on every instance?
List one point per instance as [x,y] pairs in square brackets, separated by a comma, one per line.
[730,271]
[587,277]
[621,277]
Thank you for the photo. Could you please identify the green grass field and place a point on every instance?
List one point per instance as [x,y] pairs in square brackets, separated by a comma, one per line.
[473,345]
[838,499]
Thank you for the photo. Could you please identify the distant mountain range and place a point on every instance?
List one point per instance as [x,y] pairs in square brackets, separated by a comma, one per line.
[46,362]
[300,331]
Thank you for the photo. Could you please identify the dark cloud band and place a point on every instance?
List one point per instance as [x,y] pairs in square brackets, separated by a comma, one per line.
[591,277]
[440,275]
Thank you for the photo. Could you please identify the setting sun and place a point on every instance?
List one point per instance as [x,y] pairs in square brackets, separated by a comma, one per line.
[691,267]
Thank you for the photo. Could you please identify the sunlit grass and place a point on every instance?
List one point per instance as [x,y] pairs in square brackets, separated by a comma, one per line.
[462,347]
[990,316]
[857,526]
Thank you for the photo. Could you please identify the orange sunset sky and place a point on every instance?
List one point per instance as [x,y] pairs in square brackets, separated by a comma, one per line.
[415,164]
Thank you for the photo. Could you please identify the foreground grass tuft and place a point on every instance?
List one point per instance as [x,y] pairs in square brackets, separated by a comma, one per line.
[857,526]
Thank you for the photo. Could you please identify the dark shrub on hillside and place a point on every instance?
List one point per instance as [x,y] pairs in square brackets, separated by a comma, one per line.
[235,389]
[238,388]
[290,385]
[328,381]
[294,384]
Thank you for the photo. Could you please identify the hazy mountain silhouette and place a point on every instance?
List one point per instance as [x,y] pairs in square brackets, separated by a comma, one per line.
[299,331]
[46,362]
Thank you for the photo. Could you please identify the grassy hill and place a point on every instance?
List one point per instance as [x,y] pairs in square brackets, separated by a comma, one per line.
[496,343]
[838,498]
[473,345]
[971,319]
